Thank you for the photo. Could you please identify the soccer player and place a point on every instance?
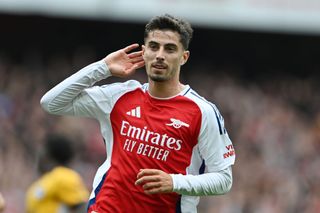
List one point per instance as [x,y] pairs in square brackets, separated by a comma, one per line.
[159,135]
[59,189]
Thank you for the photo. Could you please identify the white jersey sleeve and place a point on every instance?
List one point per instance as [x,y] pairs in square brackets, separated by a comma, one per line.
[215,145]
[213,183]
[76,95]
[64,97]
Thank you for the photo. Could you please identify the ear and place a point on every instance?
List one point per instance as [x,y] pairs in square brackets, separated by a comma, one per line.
[185,57]
[143,48]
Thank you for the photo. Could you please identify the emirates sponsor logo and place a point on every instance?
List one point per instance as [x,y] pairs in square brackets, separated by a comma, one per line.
[144,134]
[142,141]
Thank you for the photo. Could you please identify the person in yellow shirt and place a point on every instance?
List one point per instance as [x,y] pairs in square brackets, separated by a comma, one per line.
[59,189]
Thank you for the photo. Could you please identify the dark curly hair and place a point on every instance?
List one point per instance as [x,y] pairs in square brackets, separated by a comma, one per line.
[59,149]
[168,22]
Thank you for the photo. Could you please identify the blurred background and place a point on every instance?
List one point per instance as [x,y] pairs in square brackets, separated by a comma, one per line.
[258,61]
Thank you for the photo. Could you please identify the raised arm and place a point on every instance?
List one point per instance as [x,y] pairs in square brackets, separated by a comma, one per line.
[61,98]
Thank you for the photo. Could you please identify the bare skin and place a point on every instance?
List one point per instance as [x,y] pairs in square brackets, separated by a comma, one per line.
[164,54]
[154,181]
[121,63]
[2,203]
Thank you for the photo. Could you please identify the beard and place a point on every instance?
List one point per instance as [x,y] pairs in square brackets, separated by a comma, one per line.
[162,76]
[158,78]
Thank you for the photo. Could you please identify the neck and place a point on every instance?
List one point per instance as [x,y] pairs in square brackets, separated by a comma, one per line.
[164,89]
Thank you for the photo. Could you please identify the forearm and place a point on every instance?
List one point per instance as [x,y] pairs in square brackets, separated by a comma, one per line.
[59,99]
[215,183]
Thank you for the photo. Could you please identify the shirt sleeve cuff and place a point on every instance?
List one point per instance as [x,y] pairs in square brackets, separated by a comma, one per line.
[105,68]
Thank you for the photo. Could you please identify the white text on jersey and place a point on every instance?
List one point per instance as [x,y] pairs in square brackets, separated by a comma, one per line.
[148,136]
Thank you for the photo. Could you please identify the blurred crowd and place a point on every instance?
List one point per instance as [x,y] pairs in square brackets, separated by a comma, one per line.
[274,124]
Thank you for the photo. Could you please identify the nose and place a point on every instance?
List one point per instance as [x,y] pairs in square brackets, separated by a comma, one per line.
[160,55]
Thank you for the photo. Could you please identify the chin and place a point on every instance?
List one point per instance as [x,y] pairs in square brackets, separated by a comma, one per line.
[157,78]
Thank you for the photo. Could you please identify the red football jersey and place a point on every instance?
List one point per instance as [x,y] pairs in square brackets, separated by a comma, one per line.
[147,133]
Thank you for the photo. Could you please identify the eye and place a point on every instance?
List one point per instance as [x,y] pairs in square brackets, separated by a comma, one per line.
[171,48]
[153,46]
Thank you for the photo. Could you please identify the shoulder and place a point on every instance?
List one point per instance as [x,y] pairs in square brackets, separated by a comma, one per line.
[126,85]
[210,112]
[64,174]
[204,105]
[111,92]
[70,188]
[114,88]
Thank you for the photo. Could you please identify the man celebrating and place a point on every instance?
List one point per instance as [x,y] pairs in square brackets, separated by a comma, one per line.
[159,136]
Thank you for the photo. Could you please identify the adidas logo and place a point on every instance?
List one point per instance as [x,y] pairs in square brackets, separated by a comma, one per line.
[136,112]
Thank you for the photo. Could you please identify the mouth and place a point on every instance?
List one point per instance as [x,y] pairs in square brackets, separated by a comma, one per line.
[159,66]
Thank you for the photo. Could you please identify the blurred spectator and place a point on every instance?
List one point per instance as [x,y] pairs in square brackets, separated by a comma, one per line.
[2,203]
[59,188]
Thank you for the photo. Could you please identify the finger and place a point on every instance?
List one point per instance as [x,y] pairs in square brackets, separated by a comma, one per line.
[130,47]
[136,59]
[136,66]
[144,172]
[154,191]
[145,179]
[135,54]
[151,185]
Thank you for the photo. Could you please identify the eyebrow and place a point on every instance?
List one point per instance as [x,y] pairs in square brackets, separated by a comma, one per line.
[171,45]
[152,42]
[168,44]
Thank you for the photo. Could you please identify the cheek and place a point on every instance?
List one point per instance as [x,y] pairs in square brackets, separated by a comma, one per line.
[148,55]
[146,59]
[175,62]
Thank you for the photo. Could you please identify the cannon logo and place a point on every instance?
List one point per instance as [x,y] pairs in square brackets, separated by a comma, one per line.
[177,123]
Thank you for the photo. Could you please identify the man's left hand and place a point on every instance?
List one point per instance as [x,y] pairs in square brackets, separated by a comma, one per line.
[154,181]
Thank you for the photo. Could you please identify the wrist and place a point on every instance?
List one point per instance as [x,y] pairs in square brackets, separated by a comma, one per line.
[105,67]
[174,182]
